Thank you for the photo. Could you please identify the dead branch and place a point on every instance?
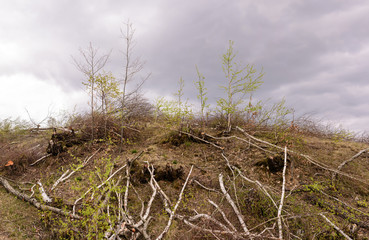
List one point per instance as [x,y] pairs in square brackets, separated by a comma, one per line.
[308,158]
[223,215]
[334,226]
[37,124]
[102,184]
[64,177]
[231,202]
[44,196]
[202,140]
[47,155]
[139,228]
[34,202]
[342,202]
[204,187]
[349,160]
[243,140]
[237,235]
[112,175]
[175,207]
[262,188]
[131,128]
[280,230]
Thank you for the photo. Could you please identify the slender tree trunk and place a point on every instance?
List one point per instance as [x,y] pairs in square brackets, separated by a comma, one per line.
[92,109]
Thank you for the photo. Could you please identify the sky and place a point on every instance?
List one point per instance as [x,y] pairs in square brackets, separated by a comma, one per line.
[313,53]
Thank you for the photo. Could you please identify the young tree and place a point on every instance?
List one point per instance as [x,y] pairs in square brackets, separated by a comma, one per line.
[175,111]
[182,110]
[133,66]
[90,65]
[179,94]
[240,81]
[107,89]
[200,85]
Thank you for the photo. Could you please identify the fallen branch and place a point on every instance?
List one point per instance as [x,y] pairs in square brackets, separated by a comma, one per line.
[202,140]
[223,215]
[103,183]
[175,207]
[47,155]
[35,203]
[308,158]
[334,226]
[243,140]
[347,161]
[64,177]
[280,230]
[231,167]
[231,202]
[44,196]
[206,188]
[342,202]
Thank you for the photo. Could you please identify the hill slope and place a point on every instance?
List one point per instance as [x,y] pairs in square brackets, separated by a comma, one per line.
[207,185]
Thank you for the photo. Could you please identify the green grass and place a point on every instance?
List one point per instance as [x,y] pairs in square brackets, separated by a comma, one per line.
[19,220]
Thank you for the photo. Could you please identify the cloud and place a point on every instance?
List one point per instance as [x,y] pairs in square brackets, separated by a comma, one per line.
[20,93]
[315,53]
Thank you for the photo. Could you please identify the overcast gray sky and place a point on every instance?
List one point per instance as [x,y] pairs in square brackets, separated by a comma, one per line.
[314,53]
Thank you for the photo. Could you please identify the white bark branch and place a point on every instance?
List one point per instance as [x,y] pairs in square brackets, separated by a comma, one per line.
[334,226]
[175,207]
[47,155]
[230,201]
[349,160]
[34,202]
[64,177]
[280,229]
[308,158]
[44,196]
[223,215]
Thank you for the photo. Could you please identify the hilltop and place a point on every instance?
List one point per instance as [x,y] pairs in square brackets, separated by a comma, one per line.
[186,182]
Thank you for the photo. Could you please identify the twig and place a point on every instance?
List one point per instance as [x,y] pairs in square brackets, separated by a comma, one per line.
[257,184]
[280,230]
[237,235]
[103,183]
[131,128]
[334,226]
[33,192]
[47,155]
[209,218]
[128,169]
[223,215]
[206,188]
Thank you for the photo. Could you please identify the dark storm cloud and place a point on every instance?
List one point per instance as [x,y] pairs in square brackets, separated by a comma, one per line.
[315,53]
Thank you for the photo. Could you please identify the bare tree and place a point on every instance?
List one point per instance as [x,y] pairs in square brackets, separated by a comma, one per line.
[90,65]
[37,124]
[132,66]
